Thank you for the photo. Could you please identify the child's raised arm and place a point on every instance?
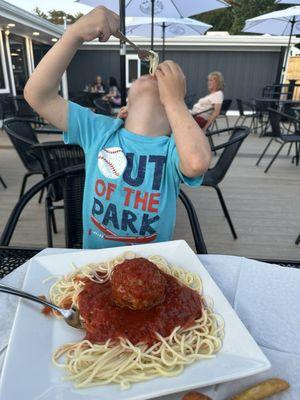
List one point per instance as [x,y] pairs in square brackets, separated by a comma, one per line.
[192,145]
[41,90]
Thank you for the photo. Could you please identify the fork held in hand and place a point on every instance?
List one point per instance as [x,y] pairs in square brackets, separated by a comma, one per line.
[143,54]
[71,315]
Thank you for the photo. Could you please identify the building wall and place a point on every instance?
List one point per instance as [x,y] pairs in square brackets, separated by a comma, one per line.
[245,72]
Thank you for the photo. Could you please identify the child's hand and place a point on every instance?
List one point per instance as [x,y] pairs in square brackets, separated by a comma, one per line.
[99,23]
[171,82]
[123,113]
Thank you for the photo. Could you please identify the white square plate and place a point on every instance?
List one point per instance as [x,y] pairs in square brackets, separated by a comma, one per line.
[28,373]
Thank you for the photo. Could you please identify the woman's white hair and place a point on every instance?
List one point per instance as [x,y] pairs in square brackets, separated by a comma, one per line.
[218,78]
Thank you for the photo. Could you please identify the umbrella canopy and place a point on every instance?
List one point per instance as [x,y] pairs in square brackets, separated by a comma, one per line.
[288,1]
[173,27]
[158,8]
[165,27]
[162,8]
[283,22]
[276,23]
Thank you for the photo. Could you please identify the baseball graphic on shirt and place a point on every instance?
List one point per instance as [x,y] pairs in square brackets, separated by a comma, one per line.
[112,162]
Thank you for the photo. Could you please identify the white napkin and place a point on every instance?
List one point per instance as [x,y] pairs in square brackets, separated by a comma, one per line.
[267,299]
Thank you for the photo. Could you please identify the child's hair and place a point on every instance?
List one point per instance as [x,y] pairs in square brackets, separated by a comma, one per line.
[218,78]
[113,82]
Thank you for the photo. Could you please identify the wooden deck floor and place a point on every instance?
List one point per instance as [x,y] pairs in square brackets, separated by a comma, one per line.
[264,207]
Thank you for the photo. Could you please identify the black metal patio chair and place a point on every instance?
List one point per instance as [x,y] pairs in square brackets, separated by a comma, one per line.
[246,111]
[23,136]
[53,157]
[2,182]
[83,100]
[215,175]
[223,114]
[73,178]
[281,136]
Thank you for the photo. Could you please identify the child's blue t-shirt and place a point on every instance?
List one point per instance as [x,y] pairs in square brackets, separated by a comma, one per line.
[132,181]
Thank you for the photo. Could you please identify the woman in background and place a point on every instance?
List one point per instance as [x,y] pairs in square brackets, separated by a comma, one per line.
[113,95]
[207,109]
[98,85]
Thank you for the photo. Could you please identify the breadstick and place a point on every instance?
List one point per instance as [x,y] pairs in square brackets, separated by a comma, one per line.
[195,396]
[263,390]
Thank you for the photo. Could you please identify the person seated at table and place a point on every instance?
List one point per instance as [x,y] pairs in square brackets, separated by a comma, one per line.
[207,109]
[134,168]
[98,86]
[113,95]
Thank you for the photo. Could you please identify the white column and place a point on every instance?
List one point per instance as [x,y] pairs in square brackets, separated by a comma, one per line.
[28,55]
[10,67]
[64,86]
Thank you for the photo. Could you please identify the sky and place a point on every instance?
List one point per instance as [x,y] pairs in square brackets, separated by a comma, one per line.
[68,6]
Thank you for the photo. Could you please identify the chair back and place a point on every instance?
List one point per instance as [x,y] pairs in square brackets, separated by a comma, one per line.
[275,119]
[83,100]
[216,174]
[55,156]
[102,107]
[7,108]
[73,198]
[225,106]
[240,107]
[72,240]
[22,136]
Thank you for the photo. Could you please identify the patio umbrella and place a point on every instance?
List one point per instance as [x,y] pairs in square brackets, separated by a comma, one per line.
[288,1]
[166,27]
[142,8]
[160,8]
[283,22]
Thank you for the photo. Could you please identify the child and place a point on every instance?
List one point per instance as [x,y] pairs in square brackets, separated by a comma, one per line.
[133,172]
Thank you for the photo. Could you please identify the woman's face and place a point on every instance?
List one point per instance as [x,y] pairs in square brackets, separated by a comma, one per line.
[212,84]
[98,80]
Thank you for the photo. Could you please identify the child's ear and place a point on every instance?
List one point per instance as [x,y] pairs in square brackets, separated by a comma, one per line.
[123,113]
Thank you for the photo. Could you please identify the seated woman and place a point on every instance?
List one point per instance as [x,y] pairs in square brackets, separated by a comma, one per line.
[207,108]
[113,95]
[98,86]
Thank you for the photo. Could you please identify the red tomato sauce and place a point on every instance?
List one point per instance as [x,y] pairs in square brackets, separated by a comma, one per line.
[105,320]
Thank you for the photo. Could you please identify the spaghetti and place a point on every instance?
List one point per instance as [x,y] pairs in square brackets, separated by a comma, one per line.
[120,361]
[153,62]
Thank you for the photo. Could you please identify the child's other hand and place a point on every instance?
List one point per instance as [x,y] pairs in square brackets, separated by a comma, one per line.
[123,113]
[99,23]
[171,82]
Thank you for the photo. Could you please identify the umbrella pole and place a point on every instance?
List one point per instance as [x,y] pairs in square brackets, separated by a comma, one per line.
[164,40]
[122,54]
[288,48]
[152,24]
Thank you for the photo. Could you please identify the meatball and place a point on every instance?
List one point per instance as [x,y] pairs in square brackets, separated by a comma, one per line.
[138,284]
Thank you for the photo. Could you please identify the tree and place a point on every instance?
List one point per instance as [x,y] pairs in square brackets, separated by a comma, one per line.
[250,9]
[39,12]
[233,19]
[57,16]
[221,20]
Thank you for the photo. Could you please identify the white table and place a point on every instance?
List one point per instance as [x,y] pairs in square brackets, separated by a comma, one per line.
[266,298]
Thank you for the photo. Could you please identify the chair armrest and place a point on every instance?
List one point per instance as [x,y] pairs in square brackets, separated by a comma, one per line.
[202,112]
[211,133]
[287,116]
[229,142]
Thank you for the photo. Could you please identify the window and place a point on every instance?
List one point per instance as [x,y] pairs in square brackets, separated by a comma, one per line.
[4,88]
[18,60]
[39,50]
[133,68]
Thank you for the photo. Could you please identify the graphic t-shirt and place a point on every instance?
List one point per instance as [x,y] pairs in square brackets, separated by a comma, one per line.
[132,181]
[207,103]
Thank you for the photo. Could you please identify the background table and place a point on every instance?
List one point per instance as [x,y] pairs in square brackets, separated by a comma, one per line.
[265,297]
